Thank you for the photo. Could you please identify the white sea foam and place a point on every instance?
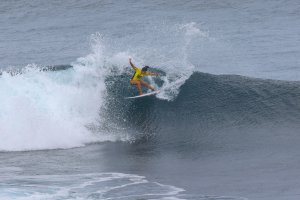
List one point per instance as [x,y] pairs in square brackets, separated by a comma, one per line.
[106,186]
[47,110]
[84,186]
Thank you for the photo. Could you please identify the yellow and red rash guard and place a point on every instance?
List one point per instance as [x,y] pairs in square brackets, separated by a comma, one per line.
[138,74]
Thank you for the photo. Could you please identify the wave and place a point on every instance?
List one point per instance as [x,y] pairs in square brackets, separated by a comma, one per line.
[80,105]
[207,104]
[66,106]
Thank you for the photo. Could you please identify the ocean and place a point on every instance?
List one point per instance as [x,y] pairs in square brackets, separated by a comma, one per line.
[225,125]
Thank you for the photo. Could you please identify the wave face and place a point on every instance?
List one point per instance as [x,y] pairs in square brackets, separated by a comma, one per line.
[208,106]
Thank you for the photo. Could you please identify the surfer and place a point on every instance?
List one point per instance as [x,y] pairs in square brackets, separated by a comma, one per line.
[139,73]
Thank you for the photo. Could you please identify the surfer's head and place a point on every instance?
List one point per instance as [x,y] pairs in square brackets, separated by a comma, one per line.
[144,69]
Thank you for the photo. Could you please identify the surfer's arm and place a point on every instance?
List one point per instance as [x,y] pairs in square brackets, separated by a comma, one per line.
[152,74]
[132,65]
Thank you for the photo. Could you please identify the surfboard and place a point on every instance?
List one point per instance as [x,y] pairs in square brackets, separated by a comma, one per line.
[143,95]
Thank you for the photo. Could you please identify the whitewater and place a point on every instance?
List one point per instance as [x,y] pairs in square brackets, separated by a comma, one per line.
[224,126]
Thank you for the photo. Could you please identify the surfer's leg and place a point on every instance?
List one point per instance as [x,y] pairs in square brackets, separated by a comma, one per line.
[147,85]
[138,85]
